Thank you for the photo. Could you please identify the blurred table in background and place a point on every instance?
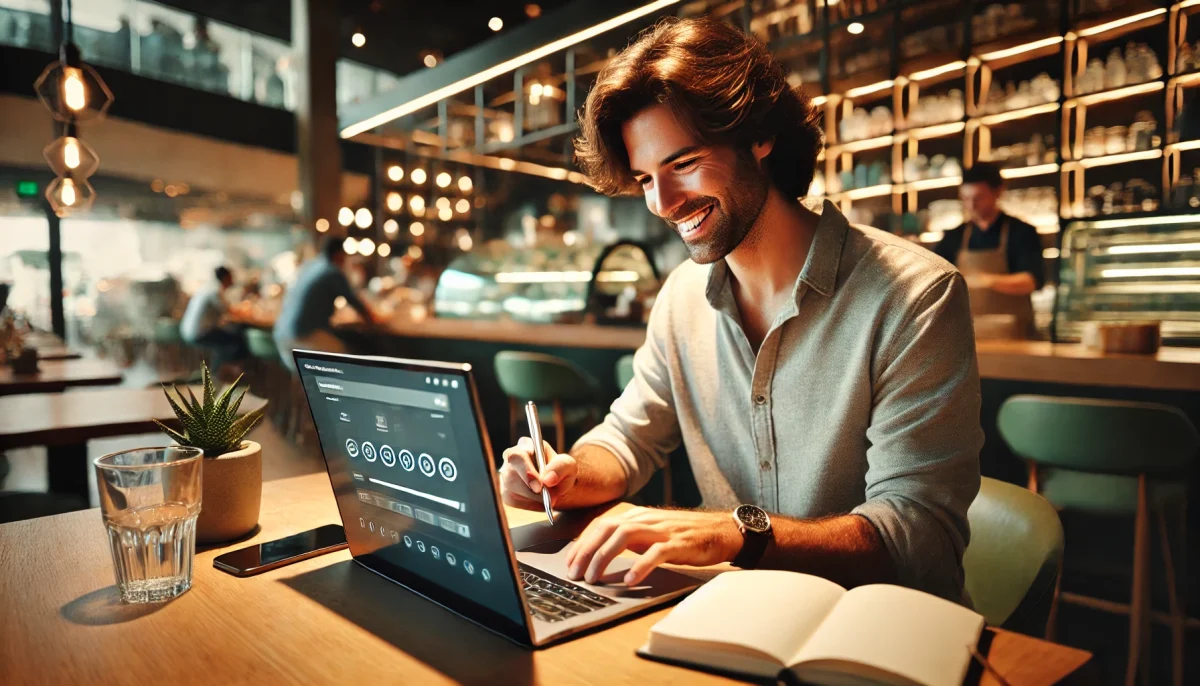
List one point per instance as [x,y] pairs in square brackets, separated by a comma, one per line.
[58,375]
[65,422]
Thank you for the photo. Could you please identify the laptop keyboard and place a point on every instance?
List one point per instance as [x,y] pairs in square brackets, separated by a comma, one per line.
[553,600]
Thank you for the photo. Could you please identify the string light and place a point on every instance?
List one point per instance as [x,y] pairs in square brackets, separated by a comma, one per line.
[358,39]
[345,216]
[443,180]
[366,247]
[416,204]
[445,214]
[462,206]
[443,203]
[395,201]
[495,23]
[362,218]
[418,176]
[464,184]
[855,28]
[416,228]
[390,227]
[322,225]
[350,245]
[384,250]
[415,252]
[395,172]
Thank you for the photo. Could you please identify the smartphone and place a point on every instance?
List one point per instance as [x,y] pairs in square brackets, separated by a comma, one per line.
[263,557]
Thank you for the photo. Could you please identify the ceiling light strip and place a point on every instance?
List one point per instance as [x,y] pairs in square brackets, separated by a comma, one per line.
[502,68]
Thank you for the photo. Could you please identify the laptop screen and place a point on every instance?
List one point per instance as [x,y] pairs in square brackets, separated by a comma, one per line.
[408,466]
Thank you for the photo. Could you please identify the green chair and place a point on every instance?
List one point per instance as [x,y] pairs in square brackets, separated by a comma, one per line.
[1108,457]
[624,371]
[571,393]
[1013,560]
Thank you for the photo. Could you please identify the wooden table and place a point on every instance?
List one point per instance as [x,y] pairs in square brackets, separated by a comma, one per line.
[65,422]
[58,375]
[1174,369]
[324,620]
[57,352]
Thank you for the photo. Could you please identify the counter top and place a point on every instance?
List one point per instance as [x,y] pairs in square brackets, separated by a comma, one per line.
[1176,369]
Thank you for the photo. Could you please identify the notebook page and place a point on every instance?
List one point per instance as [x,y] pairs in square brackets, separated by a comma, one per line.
[916,635]
[764,611]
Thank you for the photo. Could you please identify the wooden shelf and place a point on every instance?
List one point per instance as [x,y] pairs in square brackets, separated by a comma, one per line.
[932,131]
[861,145]
[932,184]
[1119,158]
[1117,93]
[1018,114]
[863,193]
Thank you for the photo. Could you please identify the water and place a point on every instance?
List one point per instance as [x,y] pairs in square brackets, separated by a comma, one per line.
[153,548]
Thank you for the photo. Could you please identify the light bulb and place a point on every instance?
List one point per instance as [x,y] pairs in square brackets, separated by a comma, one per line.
[464,184]
[418,176]
[495,23]
[390,227]
[443,203]
[67,193]
[855,28]
[384,250]
[416,228]
[462,206]
[445,214]
[443,180]
[350,245]
[415,252]
[395,172]
[345,216]
[465,243]
[74,90]
[395,201]
[366,247]
[71,153]
[322,225]
[362,218]
[417,204]
[358,39]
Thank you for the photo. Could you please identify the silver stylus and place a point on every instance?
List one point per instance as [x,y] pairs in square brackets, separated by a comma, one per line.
[535,433]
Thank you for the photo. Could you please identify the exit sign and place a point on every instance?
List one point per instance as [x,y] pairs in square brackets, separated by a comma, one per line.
[27,189]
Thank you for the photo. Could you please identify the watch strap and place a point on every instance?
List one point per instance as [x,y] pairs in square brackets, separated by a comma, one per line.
[754,545]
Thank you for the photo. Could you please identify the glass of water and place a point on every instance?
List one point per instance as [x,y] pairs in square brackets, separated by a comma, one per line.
[150,498]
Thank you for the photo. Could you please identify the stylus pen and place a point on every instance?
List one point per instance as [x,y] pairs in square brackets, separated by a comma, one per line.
[535,433]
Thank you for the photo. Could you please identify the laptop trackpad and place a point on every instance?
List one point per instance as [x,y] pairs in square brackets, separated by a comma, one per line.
[551,557]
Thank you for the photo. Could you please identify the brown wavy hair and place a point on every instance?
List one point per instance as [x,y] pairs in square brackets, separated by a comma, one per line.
[720,83]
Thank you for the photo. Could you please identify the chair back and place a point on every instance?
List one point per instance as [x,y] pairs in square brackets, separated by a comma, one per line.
[1012,561]
[261,344]
[624,371]
[1102,436]
[540,377]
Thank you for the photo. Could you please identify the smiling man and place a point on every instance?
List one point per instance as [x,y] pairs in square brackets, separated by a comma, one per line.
[822,376]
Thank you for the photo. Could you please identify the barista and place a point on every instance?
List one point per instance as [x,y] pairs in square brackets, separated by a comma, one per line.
[999,255]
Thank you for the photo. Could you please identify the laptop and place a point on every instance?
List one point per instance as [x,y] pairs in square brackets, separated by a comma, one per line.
[417,489]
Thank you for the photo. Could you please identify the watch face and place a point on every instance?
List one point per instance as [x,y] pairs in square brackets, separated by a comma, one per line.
[754,518]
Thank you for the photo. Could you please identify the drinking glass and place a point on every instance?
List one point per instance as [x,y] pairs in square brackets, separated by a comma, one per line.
[149,499]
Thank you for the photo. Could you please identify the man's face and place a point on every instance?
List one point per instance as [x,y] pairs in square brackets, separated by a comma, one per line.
[710,195]
[979,201]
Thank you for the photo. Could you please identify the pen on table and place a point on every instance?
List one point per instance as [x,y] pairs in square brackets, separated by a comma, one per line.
[535,433]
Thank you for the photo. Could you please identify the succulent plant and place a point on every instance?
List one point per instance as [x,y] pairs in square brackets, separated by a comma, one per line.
[212,423]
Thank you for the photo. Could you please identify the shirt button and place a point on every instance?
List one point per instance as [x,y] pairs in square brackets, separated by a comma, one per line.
[766,466]
[760,399]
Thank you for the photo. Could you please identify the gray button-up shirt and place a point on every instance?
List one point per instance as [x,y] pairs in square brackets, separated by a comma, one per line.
[863,397]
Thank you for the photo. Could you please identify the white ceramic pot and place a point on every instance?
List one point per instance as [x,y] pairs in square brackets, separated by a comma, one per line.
[232,487]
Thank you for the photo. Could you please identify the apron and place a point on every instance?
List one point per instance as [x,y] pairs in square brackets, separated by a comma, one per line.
[986,300]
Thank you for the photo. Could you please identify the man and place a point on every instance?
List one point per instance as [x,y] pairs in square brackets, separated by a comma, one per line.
[817,372]
[1001,258]
[202,324]
[307,306]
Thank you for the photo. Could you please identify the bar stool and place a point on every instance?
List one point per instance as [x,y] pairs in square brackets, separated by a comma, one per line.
[1014,558]
[624,371]
[573,394]
[1107,457]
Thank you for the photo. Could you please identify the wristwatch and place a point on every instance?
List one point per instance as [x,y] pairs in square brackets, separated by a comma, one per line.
[755,525]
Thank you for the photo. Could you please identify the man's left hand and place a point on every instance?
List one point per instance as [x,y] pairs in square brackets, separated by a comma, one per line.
[686,537]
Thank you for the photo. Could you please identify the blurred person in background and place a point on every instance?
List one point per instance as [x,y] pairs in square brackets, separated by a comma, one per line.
[204,326]
[999,255]
[304,317]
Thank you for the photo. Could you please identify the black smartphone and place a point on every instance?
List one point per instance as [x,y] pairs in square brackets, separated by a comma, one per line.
[263,557]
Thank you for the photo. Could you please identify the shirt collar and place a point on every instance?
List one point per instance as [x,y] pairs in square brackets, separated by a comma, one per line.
[820,267]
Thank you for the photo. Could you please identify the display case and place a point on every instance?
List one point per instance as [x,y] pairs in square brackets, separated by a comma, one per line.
[1138,269]
[560,283]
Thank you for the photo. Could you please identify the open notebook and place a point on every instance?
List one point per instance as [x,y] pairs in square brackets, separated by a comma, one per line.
[760,623]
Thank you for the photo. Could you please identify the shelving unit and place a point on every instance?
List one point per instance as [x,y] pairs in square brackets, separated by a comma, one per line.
[1057,40]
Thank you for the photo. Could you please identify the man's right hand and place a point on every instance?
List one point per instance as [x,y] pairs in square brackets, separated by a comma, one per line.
[520,483]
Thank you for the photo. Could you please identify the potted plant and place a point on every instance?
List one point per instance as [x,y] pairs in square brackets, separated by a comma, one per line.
[231,476]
